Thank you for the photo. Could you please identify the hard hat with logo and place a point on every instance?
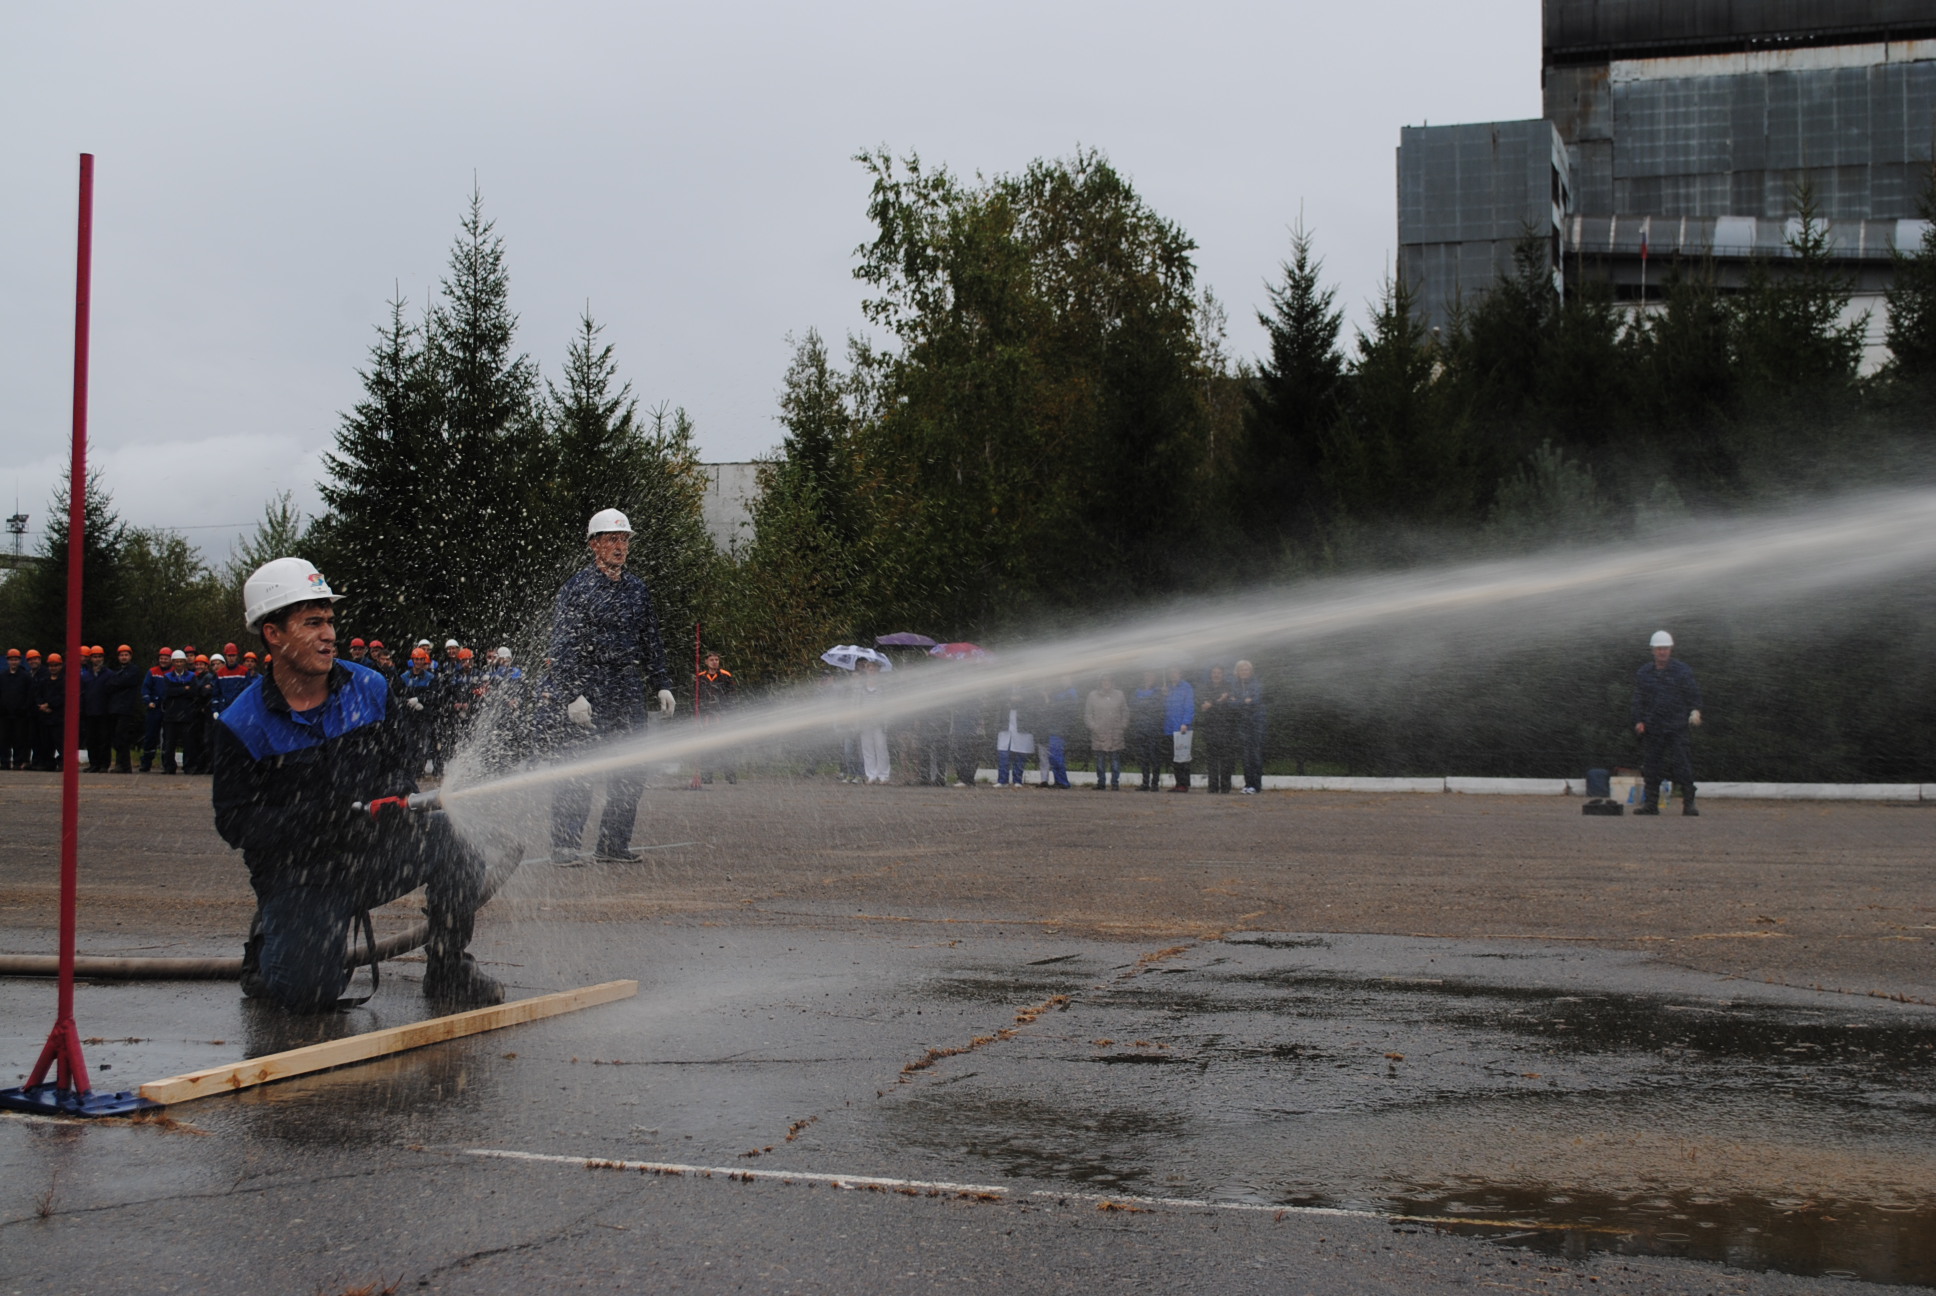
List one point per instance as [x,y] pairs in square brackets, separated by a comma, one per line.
[607,521]
[282,583]
[1661,639]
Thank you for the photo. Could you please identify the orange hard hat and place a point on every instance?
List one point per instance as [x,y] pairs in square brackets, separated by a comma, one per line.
[201,659]
[123,648]
[13,652]
[420,654]
[53,658]
[33,652]
[248,656]
[166,651]
[465,654]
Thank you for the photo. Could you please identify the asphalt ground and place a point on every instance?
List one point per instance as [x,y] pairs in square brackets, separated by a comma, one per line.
[1296,1041]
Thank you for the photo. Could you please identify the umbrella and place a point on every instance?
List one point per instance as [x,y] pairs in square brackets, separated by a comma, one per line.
[849,656]
[905,639]
[957,651]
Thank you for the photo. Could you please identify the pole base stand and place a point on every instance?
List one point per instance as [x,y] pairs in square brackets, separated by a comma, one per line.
[52,1100]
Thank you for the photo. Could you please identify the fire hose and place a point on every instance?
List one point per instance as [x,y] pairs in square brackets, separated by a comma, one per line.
[230,969]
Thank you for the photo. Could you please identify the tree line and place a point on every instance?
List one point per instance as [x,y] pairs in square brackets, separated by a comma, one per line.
[1045,423]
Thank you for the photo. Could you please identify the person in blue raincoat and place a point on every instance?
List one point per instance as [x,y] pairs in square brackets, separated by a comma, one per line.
[1179,714]
[605,651]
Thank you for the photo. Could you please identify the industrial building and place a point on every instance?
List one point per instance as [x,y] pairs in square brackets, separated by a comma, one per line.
[1674,136]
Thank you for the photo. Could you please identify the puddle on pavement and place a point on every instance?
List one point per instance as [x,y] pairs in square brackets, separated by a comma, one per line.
[1568,1104]
[1886,1242]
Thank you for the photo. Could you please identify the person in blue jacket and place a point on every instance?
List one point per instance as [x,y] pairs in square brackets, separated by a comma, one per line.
[1179,713]
[310,769]
[605,651]
[1666,701]
[152,687]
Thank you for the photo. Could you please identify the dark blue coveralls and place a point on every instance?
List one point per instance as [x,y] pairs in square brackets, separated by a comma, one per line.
[604,646]
[1662,699]
[284,784]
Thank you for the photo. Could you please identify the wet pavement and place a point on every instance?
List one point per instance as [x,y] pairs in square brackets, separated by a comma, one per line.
[1044,1104]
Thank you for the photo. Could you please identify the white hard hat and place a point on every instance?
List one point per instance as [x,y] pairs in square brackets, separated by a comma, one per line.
[605,521]
[179,655]
[1661,639]
[423,643]
[502,654]
[282,583]
[452,643]
[218,657]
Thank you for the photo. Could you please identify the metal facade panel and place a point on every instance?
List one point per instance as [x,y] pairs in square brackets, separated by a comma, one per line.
[1484,181]
[1575,27]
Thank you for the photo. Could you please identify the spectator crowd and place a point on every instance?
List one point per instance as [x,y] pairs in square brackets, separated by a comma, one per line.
[1167,722]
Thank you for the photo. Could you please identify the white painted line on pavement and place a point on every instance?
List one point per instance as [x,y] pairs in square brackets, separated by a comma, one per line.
[998,1192]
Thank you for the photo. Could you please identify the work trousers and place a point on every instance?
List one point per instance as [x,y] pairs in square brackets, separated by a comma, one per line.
[16,739]
[97,734]
[127,733]
[1009,766]
[1182,769]
[178,735]
[1666,751]
[1151,753]
[305,915]
[47,741]
[571,803]
[1109,768]
[150,738]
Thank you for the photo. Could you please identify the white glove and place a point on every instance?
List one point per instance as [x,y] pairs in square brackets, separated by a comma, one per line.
[579,712]
[666,702]
[1694,718]
[415,704]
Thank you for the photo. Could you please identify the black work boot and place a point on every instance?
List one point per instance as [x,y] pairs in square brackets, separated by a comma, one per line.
[455,981]
[1687,808]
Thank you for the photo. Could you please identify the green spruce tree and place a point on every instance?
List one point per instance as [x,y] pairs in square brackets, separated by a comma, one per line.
[1279,470]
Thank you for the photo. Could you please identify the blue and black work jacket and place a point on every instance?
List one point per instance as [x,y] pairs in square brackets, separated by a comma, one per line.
[16,691]
[94,692]
[1146,711]
[1662,698]
[154,688]
[179,696]
[124,689]
[604,634]
[285,780]
[421,687]
[230,687]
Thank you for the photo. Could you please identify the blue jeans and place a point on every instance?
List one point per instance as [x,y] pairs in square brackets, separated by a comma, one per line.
[1057,763]
[1007,764]
[1111,763]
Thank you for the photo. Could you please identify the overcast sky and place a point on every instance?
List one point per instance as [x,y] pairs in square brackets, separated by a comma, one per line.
[267,176]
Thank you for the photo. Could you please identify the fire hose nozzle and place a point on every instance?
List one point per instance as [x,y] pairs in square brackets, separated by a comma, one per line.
[419,801]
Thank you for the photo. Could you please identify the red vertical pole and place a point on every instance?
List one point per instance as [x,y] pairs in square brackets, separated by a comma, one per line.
[63,1048]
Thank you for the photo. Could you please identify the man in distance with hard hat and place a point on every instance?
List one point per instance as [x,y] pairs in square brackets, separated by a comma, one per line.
[1666,700]
[312,737]
[604,634]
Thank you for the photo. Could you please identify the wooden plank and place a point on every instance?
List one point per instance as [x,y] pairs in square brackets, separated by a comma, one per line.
[395,1039]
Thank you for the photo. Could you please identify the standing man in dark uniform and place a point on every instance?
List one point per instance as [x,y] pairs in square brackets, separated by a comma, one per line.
[1666,700]
[604,634]
[309,739]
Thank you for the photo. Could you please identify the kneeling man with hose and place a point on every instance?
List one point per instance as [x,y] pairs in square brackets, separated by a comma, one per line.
[314,779]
